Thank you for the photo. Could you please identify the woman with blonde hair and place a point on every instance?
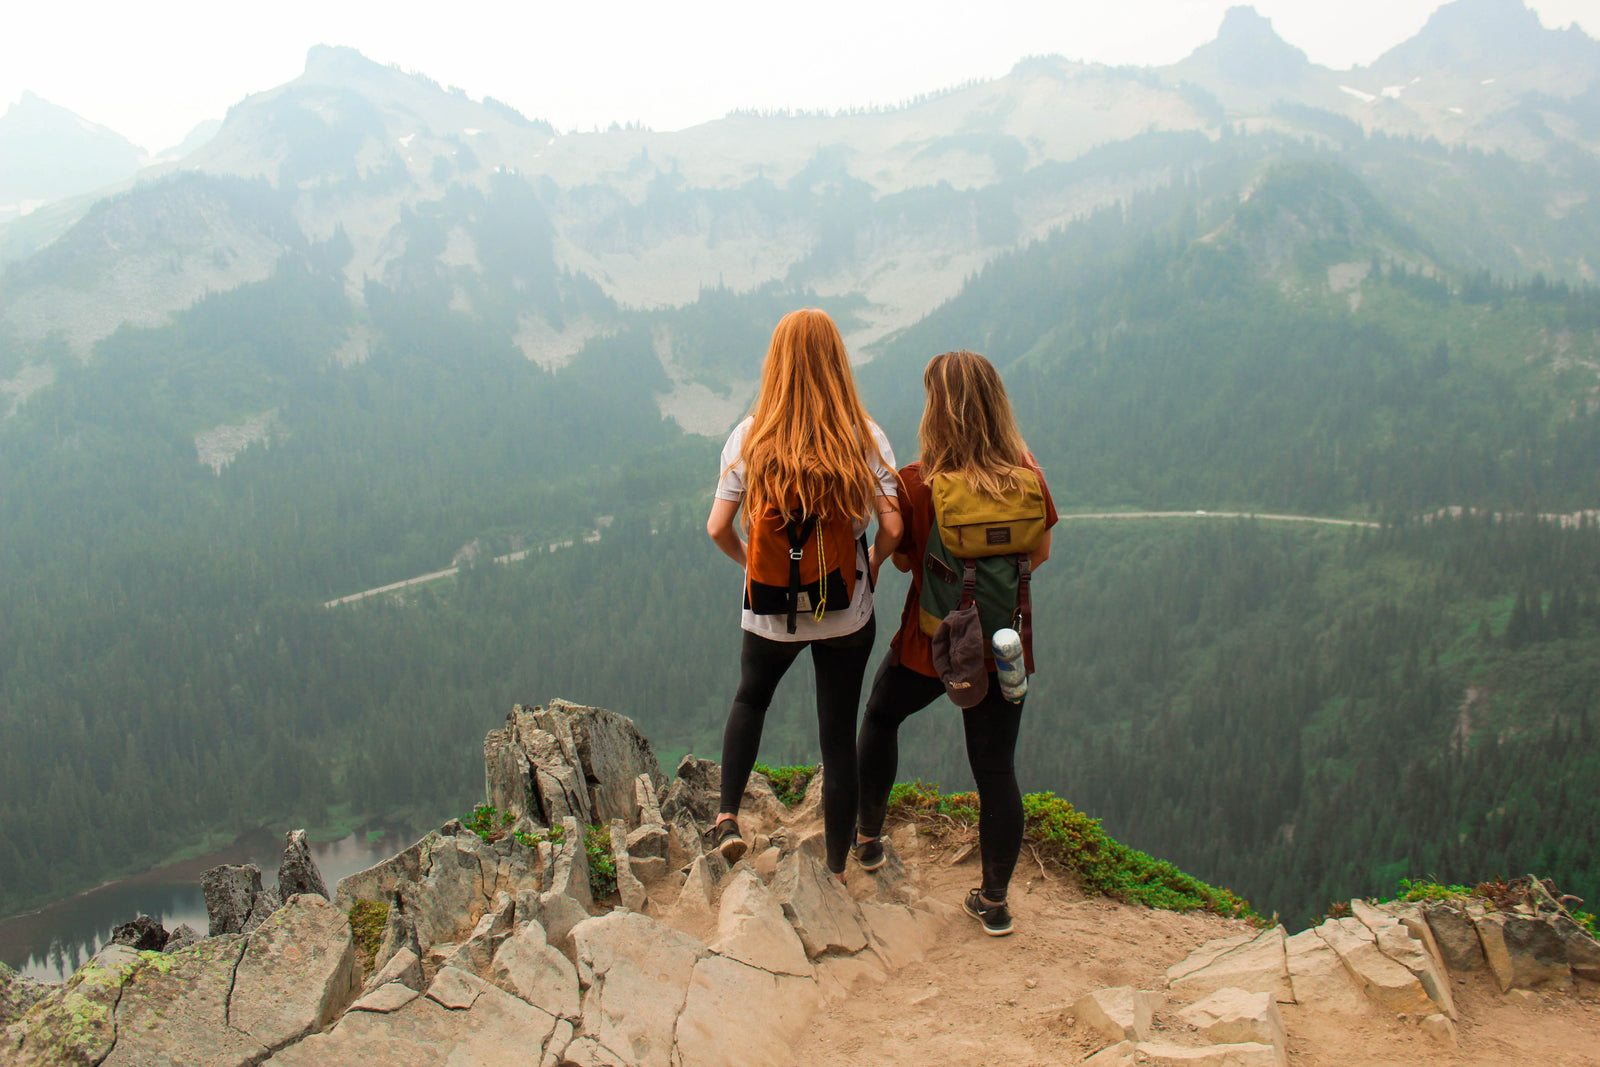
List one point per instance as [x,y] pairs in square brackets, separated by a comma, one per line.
[810,471]
[968,433]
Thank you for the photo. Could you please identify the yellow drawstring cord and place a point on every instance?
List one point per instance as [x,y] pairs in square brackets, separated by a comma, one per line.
[822,576]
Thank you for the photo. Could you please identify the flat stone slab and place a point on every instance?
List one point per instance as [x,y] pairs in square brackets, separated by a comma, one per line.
[819,908]
[1383,981]
[75,1026]
[1396,940]
[529,968]
[1259,965]
[1233,1016]
[722,990]
[1245,1054]
[297,974]
[174,1011]
[637,971]
[497,1028]
[1320,980]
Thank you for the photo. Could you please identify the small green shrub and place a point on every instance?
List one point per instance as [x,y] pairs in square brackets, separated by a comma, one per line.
[368,918]
[1412,890]
[789,783]
[602,867]
[1586,920]
[1061,833]
[488,823]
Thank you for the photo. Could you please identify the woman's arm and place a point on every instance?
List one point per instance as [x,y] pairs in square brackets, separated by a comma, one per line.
[720,528]
[1041,553]
[890,527]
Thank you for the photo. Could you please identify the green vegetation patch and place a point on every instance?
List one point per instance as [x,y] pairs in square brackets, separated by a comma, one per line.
[789,783]
[602,866]
[368,918]
[1060,834]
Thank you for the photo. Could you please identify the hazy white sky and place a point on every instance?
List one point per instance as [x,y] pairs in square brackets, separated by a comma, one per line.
[152,71]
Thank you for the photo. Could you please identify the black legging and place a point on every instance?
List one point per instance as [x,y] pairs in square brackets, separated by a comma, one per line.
[839,663]
[991,728]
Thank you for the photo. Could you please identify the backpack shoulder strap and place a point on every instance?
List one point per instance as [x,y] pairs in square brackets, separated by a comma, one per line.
[798,532]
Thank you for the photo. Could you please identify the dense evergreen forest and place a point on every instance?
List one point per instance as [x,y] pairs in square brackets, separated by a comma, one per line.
[1297,713]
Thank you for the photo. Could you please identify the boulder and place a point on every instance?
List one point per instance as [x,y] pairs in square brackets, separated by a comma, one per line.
[1233,1016]
[1456,935]
[636,972]
[298,872]
[649,841]
[1442,1029]
[1246,1054]
[297,973]
[143,934]
[1395,940]
[1524,952]
[1122,1054]
[1384,982]
[1121,1013]
[176,1014]
[492,1027]
[1583,951]
[1259,965]
[698,895]
[476,954]
[231,891]
[75,1025]
[751,928]
[721,989]
[1319,977]
[559,914]
[819,908]
[529,968]
[898,934]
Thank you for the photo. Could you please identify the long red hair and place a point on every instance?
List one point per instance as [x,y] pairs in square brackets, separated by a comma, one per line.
[809,437]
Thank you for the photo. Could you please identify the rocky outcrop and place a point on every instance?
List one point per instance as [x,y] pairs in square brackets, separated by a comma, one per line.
[235,901]
[18,993]
[297,873]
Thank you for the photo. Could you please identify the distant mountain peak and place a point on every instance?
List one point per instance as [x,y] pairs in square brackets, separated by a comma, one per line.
[1485,37]
[1248,52]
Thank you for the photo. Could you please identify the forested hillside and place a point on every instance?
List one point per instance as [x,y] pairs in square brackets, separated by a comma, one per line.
[1280,311]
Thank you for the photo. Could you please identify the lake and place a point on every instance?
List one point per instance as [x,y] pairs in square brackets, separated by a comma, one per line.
[52,942]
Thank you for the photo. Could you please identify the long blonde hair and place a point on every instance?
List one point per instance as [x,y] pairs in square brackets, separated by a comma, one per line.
[967,426]
[809,437]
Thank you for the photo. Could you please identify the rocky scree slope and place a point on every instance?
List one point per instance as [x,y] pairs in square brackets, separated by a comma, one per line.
[494,948]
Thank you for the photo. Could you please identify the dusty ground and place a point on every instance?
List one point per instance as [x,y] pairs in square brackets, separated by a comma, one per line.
[984,1000]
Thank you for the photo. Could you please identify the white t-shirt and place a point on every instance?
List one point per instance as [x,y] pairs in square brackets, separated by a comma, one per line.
[834,623]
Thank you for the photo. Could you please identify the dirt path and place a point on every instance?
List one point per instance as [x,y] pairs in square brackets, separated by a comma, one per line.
[982,1000]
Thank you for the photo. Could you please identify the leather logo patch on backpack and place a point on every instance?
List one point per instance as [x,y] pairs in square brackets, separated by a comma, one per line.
[998,535]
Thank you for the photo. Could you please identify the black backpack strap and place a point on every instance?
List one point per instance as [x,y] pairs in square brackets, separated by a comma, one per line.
[799,533]
[1023,620]
[866,554]
[969,584]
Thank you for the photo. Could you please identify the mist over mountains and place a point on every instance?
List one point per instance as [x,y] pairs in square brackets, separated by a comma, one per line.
[372,327]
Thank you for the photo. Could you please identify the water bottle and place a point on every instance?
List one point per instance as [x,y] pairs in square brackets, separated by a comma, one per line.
[1008,662]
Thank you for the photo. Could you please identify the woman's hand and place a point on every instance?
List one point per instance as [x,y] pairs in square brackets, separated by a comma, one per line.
[720,528]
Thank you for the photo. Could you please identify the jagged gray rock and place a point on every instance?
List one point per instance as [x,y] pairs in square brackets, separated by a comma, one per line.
[1583,951]
[696,791]
[1456,935]
[819,908]
[298,872]
[1385,982]
[629,889]
[570,869]
[721,989]
[1524,952]
[404,968]
[297,974]
[143,934]
[1121,1013]
[184,936]
[1396,941]
[378,882]
[231,891]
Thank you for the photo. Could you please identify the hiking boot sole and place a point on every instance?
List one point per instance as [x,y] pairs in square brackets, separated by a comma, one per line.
[733,849]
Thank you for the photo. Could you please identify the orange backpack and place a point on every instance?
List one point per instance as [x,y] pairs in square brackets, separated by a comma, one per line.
[797,562]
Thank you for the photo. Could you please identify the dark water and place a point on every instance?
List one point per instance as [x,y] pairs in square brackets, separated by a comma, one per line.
[52,942]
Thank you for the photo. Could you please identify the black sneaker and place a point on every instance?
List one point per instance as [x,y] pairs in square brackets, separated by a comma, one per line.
[725,836]
[870,854]
[996,918]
